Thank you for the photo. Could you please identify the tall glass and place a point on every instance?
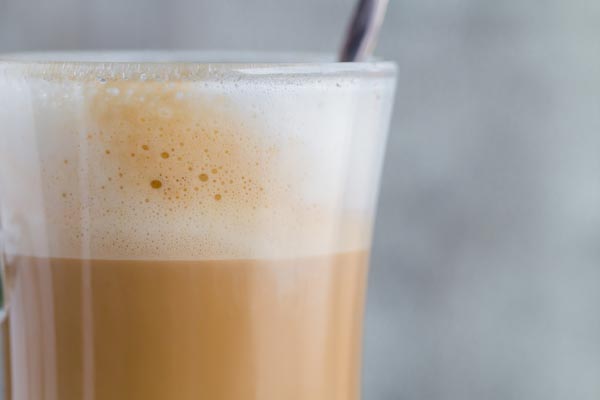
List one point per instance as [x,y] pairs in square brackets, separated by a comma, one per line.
[182,226]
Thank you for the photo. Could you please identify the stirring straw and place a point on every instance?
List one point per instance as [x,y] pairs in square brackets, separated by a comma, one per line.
[363,31]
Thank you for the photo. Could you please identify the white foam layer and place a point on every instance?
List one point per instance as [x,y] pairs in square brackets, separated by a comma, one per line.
[190,170]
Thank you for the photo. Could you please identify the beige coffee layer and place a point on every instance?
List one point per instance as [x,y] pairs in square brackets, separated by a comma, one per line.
[187,330]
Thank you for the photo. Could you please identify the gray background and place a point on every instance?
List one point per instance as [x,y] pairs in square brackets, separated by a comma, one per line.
[486,267]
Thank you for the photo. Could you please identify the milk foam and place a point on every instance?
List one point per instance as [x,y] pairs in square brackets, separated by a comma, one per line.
[135,169]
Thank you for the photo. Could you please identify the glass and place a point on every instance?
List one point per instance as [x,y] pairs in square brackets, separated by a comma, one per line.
[183,226]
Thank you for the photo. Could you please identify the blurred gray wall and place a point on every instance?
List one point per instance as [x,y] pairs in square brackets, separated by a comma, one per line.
[486,269]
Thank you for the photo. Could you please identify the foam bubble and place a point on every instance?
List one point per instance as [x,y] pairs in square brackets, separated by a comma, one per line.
[139,169]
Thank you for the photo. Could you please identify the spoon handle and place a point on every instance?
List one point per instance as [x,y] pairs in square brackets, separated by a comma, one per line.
[363,30]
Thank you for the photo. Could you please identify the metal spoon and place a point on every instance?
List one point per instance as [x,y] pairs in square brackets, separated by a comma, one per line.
[363,31]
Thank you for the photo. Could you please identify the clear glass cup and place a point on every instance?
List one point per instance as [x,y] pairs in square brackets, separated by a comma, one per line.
[188,226]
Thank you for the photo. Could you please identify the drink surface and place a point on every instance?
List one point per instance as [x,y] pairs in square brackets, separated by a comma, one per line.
[189,170]
[183,330]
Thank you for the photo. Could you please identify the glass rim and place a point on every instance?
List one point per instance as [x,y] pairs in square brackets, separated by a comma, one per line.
[182,64]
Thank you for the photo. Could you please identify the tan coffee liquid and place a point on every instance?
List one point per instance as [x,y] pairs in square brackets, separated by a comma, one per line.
[188,330]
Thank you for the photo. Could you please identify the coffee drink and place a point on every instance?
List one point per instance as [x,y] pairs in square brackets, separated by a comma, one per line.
[182,234]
